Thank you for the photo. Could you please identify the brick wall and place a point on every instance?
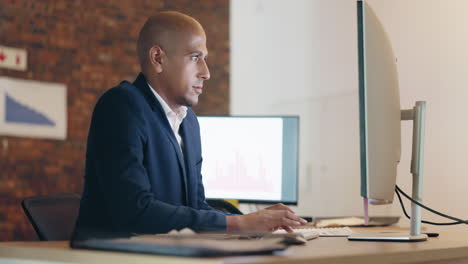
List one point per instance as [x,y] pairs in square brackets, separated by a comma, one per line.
[90,47]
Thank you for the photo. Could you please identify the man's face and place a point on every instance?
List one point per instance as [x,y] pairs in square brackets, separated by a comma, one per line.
[185,69]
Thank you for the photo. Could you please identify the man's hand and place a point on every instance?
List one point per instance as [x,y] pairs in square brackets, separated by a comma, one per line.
[280,206]
[269,219]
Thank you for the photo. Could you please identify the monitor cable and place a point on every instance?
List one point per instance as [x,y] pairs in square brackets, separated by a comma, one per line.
[457,220]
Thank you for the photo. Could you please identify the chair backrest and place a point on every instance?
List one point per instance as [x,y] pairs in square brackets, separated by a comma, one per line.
[53,216]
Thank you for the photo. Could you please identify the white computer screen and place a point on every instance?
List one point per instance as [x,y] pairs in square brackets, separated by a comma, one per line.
[250,158]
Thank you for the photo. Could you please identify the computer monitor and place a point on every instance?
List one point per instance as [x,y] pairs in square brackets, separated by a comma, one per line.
[379,109]
[252,159]
[380,123]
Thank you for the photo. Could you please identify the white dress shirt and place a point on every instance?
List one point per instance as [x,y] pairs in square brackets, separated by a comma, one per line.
[175,118]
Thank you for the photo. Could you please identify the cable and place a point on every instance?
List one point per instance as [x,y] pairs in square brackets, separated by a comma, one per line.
[458,221]
[422,221]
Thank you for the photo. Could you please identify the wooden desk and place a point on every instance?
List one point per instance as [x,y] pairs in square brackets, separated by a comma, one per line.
[449,247]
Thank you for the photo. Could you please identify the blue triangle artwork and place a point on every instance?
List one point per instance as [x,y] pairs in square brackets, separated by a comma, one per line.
[16,112]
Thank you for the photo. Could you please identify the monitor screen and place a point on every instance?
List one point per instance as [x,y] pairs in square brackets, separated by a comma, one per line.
[250,158]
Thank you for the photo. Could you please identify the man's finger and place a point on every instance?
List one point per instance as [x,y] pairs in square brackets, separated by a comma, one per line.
[289,222]
[288,229]
[296,218]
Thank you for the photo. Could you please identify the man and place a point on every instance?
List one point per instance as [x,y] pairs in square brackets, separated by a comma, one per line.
[143,157]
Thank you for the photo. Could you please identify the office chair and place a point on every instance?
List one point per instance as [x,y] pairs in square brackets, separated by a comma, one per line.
[52,216]
[224,206]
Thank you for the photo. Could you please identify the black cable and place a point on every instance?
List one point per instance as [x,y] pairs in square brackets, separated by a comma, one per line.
[422,221]
[458,221]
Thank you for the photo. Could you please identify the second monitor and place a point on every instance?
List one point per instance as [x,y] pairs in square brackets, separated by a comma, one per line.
[250,158]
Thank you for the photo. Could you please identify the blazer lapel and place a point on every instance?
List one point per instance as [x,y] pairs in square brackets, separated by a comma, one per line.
[185,129]
[142,84]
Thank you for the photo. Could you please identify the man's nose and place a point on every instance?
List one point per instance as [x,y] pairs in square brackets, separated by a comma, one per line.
[204,71]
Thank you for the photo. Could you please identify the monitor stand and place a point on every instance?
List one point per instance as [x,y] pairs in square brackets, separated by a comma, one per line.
[387,236]
[417,115]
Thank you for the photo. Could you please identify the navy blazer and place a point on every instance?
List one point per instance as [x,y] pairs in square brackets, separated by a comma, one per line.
[136,178]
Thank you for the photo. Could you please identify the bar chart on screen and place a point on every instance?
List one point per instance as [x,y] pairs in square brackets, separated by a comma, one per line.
[245,176]
[244,163]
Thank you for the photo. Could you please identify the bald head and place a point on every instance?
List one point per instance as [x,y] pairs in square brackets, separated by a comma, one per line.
[164,30]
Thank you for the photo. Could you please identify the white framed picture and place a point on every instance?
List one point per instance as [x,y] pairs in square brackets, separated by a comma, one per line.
[33,108]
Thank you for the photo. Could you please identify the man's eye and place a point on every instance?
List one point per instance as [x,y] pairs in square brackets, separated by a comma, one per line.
[194,58]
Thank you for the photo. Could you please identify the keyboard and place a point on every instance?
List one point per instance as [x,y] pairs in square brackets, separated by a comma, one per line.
[334,231]
[311,233]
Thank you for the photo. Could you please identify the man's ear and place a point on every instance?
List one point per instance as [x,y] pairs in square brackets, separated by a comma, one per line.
[156,58]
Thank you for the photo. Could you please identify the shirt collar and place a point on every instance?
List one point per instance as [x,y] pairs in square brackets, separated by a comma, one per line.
[181,113]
